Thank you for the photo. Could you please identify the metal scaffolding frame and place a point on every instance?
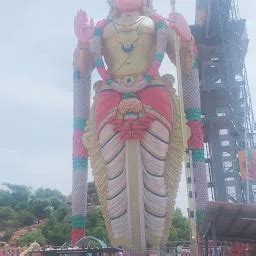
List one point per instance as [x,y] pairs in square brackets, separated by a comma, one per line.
[226,102]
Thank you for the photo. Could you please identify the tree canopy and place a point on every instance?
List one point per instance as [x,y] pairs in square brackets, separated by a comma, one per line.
[21,206]
[180,227]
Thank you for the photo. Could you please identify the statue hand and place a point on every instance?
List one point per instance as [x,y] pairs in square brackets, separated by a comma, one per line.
[83,29]
[179,24]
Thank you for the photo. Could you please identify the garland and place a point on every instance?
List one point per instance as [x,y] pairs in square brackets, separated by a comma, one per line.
[161,41]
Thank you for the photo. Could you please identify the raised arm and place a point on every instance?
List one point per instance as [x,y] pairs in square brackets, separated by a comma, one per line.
[192,103]
[187,45]
[83,67]
[82,55]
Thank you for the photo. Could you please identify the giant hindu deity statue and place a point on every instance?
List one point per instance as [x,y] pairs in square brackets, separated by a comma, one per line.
[132,133]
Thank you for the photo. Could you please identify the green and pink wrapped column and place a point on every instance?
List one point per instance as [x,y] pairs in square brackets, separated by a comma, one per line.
[81,108]
[192,105]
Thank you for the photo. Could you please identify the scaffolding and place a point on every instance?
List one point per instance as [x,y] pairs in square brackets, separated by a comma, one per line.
[226,103]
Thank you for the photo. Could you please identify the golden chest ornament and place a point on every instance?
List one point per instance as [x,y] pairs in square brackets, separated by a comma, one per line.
[128,34]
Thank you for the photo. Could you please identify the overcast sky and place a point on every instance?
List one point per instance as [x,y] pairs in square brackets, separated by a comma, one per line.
[36,48]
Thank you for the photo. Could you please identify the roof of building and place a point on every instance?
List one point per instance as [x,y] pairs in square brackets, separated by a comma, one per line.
[230,221]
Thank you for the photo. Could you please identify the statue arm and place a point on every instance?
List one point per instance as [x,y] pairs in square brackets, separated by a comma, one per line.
[82,69]
[192,104]
[82,56]
[187,52]
[83,61]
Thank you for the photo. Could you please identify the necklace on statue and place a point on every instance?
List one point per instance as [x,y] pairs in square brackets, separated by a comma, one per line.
[128,40]
[128,35]
[128,21]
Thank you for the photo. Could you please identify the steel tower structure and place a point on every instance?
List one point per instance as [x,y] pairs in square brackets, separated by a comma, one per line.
[226,104]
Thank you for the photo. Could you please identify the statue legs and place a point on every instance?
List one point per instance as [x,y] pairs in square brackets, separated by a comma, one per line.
[136,161]
[113,152]
[136,184]
[154,148]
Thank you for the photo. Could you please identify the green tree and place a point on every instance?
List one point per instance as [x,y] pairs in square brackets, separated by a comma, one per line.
[7,217]
[95,224]
[55,197]
[34,236]
[25,218]
[20,195]
[5,198]
[20,207]
[92,197]
[56,233]
[6,212]
[40,208]
[61,213]
[180,227]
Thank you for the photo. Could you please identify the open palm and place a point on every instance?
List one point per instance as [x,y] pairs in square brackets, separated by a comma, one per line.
[83,28]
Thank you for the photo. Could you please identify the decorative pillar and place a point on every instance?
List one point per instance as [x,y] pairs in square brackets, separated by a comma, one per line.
[81,108]
[192,105]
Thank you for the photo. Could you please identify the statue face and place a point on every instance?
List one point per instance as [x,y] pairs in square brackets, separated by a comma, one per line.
[128,5]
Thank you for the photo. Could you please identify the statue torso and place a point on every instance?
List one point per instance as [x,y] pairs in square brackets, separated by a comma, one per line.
[129,45]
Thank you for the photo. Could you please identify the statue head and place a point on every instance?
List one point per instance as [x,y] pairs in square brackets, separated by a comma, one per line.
[119,6]
[128,5]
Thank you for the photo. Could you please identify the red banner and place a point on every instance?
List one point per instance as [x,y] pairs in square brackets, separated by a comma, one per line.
[250,155]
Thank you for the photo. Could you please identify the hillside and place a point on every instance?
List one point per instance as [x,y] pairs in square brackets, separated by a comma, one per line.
[17,235]
[43,215]
[41,212]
